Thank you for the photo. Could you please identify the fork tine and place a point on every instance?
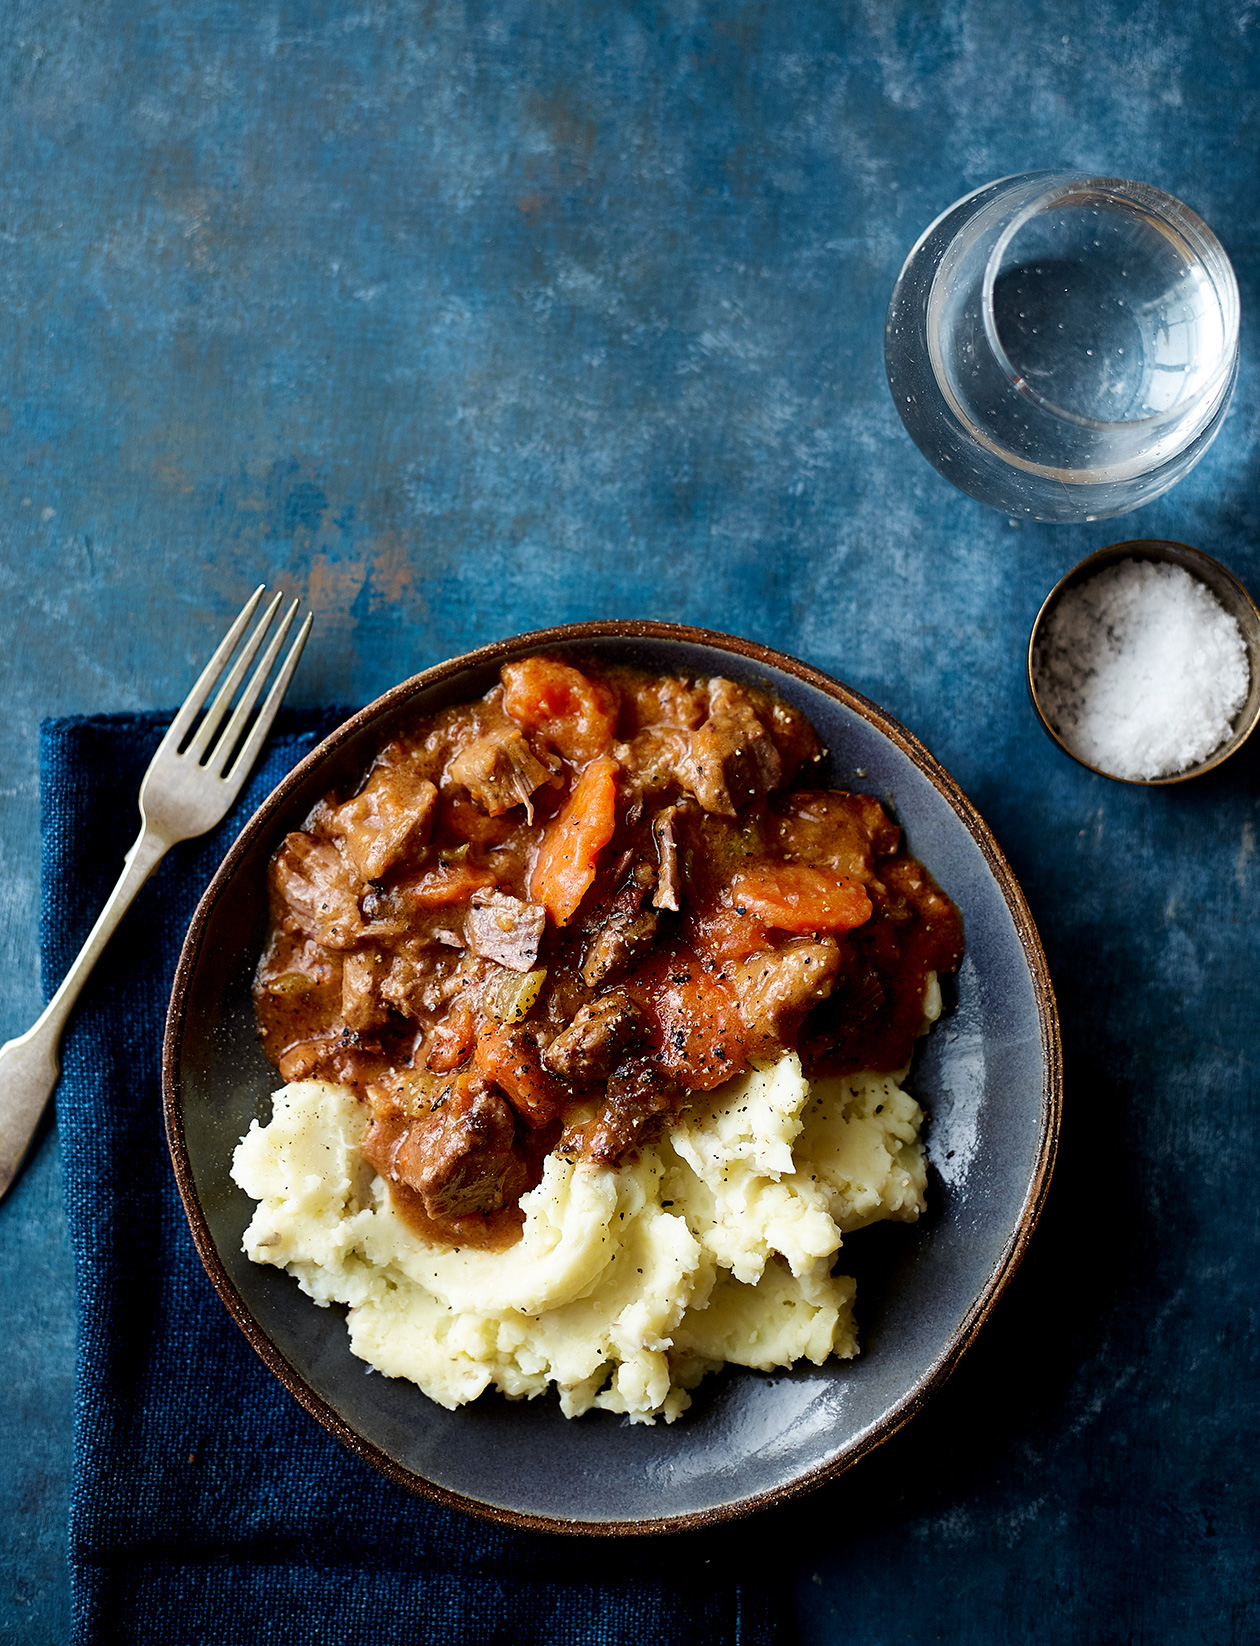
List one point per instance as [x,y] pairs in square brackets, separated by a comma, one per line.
[218,759]
[200,744]
[182,722]
[254,742]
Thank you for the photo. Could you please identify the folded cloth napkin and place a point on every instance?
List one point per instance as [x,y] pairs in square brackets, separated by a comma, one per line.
[207,1506]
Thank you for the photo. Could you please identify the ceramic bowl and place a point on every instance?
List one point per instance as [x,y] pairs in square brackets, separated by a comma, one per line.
[988,1076]
[1227,589]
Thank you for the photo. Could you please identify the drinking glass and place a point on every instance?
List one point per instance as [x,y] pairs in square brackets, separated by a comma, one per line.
[1064,347]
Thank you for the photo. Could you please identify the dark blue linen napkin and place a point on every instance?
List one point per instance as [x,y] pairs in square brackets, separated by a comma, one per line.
[208,1506]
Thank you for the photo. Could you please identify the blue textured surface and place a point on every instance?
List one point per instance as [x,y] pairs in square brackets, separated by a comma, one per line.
[468,318]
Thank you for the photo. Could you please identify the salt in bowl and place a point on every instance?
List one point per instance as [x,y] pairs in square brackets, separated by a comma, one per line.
[1232,596]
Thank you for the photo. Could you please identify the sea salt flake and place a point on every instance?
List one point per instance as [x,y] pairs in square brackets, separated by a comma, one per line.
[1141,671]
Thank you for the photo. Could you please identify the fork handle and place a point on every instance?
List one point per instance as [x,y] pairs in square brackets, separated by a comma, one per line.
[29,1064]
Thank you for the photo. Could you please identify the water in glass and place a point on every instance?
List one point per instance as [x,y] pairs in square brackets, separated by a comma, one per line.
[1064,347]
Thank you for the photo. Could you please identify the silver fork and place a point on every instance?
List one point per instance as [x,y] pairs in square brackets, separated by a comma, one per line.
[185,792]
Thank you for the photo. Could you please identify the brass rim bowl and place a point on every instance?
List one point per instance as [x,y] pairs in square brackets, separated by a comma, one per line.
[1227,589]
[988,1076]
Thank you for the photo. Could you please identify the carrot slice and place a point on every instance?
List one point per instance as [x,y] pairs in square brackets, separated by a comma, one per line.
[565,865]
[795,897]
[464,818]
[577,715]
[701,1039]
[725,934]
[450,1041]
[453,883]
[510,1060]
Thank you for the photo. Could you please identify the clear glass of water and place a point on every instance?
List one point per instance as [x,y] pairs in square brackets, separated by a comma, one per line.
[1064,347]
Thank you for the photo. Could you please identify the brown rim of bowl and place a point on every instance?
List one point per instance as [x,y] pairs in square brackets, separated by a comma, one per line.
[573,635]
[1232,596]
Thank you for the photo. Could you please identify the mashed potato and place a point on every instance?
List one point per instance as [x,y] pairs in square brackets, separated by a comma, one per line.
[628,1284]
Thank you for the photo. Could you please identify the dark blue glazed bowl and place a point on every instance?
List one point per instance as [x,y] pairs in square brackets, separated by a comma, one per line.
[988,1076]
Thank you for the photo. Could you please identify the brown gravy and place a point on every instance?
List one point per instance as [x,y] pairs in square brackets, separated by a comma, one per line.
[546,918]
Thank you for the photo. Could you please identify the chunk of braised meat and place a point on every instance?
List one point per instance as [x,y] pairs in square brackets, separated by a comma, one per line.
[794,737]
[732,758]
[668,880]
[362,1006]
[406,979]
[505,929]
[622,940]
[623,930]
[655,761]
[424,977]
[388,822]
[459,1158]
[850,833]
[914,896]
[776,988]
[384,913]
[596,1040]
[314,891]
[640,1097]
[649,701]
[500,770]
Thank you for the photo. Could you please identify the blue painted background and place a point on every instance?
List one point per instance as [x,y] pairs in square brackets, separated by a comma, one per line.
[465,318]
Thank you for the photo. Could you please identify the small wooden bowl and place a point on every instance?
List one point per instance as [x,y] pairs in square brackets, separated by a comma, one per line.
[1227,589]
